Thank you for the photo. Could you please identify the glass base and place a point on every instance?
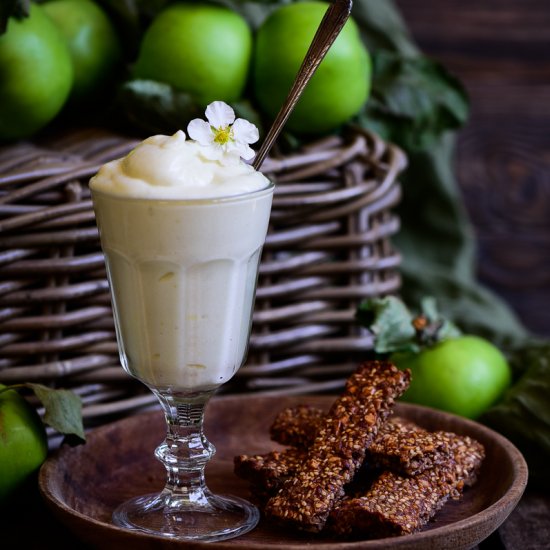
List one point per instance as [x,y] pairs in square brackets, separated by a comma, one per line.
[218,518]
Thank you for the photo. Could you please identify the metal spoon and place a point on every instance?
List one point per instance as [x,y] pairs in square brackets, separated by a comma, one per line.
[331,25]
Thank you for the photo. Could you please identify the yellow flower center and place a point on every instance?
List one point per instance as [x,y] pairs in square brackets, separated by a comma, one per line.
[222,135]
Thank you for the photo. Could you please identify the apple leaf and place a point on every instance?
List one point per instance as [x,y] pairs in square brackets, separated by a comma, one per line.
[391,323]
[414,100]
[63,409]
[523,416]
[396,329]
[158,108]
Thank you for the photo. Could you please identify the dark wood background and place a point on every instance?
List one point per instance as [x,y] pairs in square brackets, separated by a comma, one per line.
[500,49]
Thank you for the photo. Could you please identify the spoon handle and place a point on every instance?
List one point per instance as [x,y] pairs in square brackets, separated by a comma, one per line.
[334,19]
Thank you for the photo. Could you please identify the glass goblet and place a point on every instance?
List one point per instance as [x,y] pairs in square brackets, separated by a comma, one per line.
[183,277]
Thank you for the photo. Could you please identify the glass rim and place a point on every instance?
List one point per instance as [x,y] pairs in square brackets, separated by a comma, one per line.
[238,197]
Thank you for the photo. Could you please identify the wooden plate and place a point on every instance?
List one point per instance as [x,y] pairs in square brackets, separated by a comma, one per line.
[84,484]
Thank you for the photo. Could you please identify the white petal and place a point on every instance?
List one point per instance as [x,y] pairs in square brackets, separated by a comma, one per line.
[219,114]
[200,131]
[245,131]
[241,149]
[248,153]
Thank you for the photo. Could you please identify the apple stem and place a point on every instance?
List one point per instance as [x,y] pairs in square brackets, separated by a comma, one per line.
[427,332]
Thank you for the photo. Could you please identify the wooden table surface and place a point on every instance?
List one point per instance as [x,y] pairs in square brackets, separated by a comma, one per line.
[500,49]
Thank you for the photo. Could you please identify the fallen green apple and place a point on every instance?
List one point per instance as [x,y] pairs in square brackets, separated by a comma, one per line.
[464,375]
[23,441]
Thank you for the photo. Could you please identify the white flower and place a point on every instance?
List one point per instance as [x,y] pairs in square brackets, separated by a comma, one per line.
[222,133]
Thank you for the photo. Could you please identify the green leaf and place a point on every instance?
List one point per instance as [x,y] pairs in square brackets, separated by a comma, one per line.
[63,409]
[414,100]
[523,416]
[156,107]
[382,27]
[391,323]
[396,329]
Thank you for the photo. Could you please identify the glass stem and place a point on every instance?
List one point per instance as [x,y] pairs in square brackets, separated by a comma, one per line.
[186,450]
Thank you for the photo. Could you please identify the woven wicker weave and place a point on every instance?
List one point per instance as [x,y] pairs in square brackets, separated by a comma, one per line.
[328,247]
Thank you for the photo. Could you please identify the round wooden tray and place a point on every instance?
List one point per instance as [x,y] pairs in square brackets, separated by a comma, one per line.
[84,484]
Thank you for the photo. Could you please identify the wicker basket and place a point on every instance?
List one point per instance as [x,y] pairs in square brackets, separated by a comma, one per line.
[328,247]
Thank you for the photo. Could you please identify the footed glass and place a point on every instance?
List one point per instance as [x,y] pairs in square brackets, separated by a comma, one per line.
[183,277]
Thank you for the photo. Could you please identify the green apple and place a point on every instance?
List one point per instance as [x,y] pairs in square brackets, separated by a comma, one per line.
[464,375]
[23,441]
[36,74]
[201,49]
[93,43]
[338,89]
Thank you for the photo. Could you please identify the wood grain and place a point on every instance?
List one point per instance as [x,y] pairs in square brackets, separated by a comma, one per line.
[500,49]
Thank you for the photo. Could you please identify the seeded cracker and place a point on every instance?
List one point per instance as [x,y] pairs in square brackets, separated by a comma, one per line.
[408,449]
[399,505]
[401,445]
[306,499]
[297,426]
[267,472]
